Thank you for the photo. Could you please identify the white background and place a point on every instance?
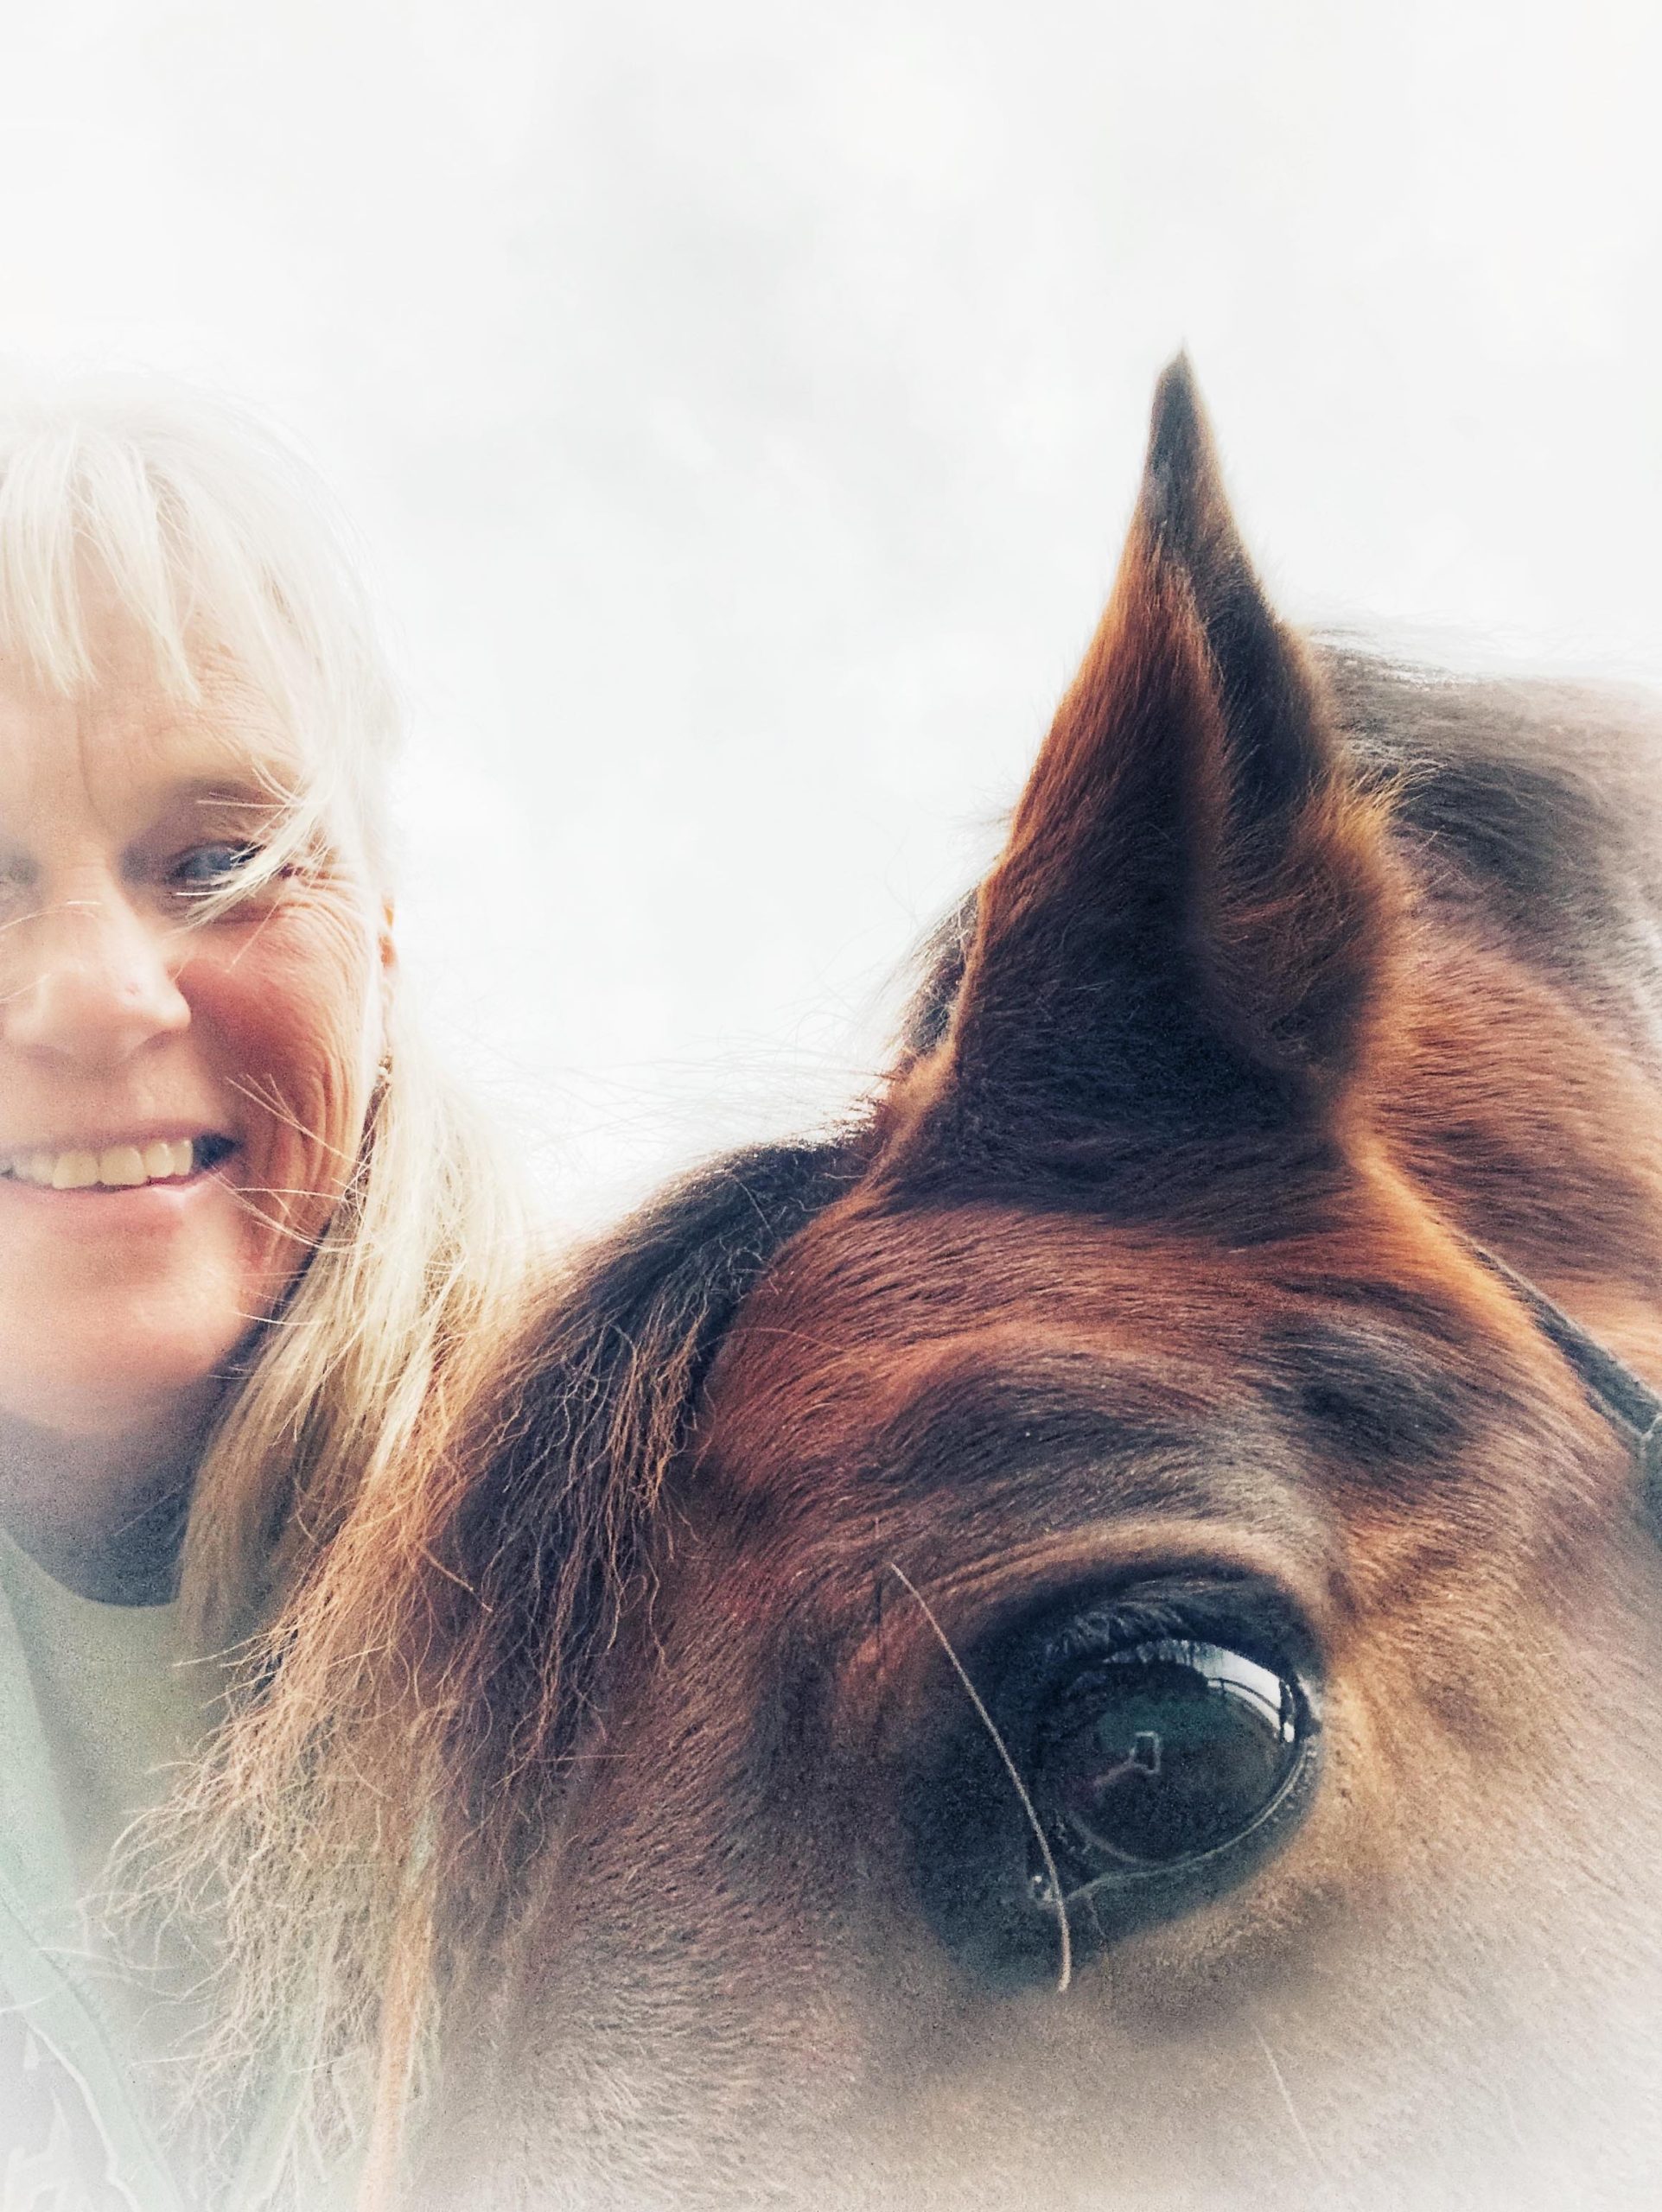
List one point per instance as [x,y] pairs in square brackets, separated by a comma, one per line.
[740,404]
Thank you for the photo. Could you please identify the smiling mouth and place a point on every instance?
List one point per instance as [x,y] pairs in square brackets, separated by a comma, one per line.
[118,1167]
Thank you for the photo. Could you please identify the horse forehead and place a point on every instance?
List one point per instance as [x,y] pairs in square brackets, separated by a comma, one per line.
[868,1276]
[868,1289]
[936,1346]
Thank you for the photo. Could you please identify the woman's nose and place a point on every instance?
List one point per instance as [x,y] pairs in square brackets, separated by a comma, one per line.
[96,985]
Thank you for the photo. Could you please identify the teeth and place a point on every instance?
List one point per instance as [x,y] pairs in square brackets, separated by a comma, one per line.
[118,1167]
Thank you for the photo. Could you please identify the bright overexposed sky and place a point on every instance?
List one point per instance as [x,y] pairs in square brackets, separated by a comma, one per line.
[740,404]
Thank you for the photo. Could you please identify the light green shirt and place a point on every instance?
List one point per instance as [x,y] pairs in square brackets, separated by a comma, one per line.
[98,1703]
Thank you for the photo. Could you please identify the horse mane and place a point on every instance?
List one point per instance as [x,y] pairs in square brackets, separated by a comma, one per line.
[395,1744]
[1536,796]
[604,1386]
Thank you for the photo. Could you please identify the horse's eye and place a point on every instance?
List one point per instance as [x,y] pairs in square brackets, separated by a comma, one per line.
[1159,1753]
[1168,1737]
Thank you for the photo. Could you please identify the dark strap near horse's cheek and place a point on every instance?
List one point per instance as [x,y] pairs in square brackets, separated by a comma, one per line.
[1610,1382]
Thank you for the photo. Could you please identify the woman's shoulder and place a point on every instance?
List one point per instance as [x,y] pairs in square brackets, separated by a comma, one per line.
[75,2134]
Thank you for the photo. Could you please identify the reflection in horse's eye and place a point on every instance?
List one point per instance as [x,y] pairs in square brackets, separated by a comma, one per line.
[1168,1738]
[1161,1753]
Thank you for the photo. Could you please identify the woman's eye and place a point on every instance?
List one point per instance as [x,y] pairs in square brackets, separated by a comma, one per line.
[1163,1752]
[206,870]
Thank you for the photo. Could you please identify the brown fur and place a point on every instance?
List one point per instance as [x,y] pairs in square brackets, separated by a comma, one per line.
[1149,1276]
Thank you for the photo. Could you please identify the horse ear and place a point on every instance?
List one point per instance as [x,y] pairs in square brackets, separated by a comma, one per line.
[1182,940]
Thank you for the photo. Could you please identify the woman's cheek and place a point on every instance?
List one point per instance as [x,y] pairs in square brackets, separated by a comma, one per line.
[290,1009]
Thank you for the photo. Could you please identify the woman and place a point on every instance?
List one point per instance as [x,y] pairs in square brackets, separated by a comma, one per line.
[241,1231]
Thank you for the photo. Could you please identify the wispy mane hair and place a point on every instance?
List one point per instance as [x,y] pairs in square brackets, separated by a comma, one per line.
[406,1729]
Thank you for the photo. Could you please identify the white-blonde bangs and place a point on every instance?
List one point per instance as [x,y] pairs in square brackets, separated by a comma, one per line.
[211,537]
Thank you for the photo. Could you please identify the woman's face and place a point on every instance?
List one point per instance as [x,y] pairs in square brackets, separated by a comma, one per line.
[182,1099]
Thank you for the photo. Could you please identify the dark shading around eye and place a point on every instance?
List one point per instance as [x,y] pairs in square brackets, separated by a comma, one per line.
[1374,1394]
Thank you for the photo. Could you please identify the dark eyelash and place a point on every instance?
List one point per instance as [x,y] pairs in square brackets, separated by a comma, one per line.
[1241,1617]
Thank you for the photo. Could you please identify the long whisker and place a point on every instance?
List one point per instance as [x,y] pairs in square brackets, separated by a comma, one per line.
[252,938]
[1299,2128]
[59,907]
[279,1190]
[1063,1932]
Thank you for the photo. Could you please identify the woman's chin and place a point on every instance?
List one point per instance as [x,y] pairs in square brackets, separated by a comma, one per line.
[112,1308]
[103,1378]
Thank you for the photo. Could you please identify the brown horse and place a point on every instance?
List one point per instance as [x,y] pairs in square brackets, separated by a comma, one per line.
[1093,1640]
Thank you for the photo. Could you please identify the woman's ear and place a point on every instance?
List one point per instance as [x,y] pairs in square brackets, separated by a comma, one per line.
[380,1022]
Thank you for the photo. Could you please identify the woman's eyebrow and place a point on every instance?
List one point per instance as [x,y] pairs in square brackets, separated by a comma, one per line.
[246,791]
[151,805]
[189,808]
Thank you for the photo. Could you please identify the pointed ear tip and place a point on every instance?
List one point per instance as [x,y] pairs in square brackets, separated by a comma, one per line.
[1177,430]
[1178,375]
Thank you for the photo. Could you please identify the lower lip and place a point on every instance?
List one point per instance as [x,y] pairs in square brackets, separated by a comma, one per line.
[100,1209]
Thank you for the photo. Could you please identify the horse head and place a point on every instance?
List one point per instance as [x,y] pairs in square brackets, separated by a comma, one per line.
[1084,1641]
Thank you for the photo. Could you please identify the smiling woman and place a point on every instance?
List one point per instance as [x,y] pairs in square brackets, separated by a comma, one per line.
[241,1230]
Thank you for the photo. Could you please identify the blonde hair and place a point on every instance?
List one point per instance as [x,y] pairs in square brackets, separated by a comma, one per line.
[209,532]
[213,540]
